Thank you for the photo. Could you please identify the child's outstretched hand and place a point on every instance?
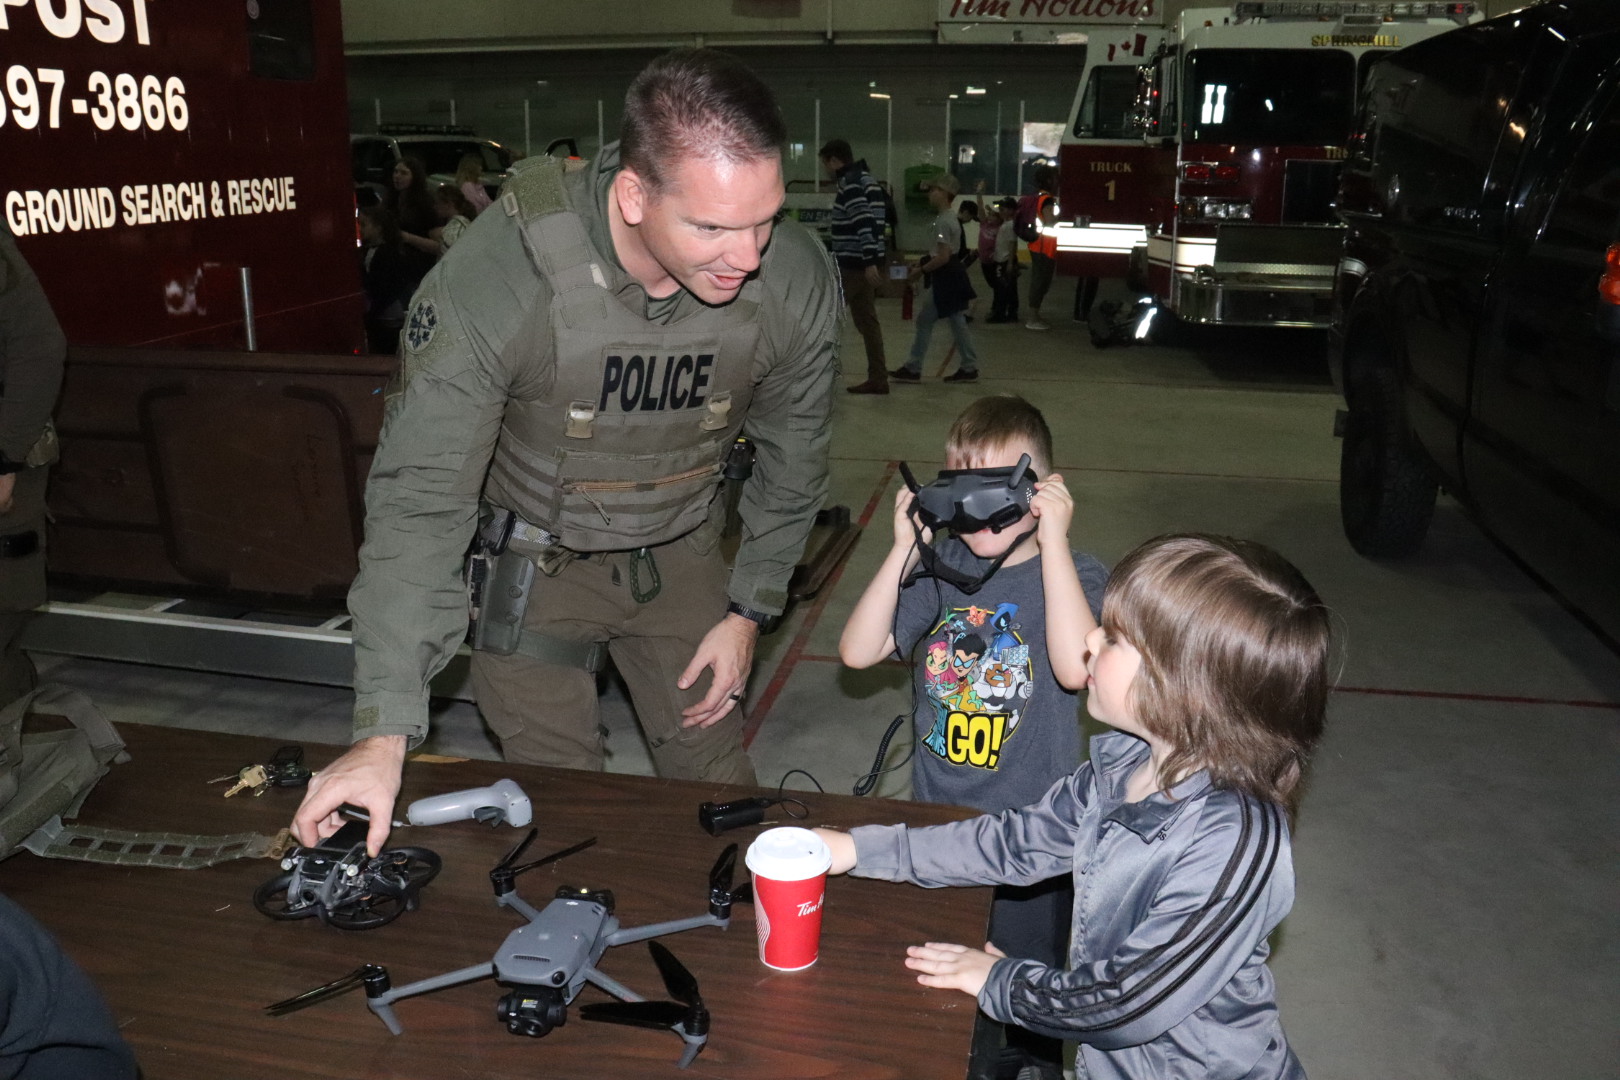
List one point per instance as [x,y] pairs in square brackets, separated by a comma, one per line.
[843,850]
[953,967]
[1053,508]
[904,537]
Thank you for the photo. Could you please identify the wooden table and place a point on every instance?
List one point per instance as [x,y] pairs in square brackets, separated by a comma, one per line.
[187,964]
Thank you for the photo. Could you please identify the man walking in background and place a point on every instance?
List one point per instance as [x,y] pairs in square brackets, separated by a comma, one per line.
[857,244]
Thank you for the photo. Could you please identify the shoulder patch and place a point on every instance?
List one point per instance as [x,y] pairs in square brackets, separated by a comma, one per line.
[423,322]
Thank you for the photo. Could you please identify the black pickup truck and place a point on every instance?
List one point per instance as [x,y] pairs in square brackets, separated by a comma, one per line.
[1476,337]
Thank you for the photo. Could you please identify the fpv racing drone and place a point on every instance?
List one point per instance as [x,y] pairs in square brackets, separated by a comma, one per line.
[550,959]
[339,883]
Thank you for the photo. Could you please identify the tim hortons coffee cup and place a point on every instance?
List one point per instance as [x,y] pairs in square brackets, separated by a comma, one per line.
[789,867]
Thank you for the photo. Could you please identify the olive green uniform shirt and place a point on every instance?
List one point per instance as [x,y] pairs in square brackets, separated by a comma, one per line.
[490,342]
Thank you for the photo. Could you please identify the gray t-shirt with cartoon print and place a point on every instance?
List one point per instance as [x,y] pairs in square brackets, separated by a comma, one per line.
[994,728]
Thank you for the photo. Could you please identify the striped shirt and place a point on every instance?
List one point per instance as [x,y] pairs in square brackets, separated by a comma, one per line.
[856,229]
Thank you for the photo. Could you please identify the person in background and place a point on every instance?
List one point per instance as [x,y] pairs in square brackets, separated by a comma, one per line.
[409,203]
[949,290]
[1042,249]
[856,232]
[470,182]
[968,214]
[388,275]
[1004,258]
[985,252]
[32,352]
[455,213]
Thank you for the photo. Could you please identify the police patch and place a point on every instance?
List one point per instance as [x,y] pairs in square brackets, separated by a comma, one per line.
[424,321]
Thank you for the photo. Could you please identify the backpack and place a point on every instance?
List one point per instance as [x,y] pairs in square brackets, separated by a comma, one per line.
[46,775]
[1026,222]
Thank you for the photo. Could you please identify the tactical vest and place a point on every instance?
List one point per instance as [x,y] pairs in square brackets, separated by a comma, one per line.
[624,449]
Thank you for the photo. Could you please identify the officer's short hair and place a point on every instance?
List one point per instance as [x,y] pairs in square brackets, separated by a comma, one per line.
[698,104]
[990,423]
[837,150]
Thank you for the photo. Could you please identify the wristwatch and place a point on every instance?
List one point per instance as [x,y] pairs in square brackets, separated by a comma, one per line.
[765,621]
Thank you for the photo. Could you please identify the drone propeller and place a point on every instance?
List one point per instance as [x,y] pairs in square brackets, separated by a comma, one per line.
[721,894]
[504,873]
[367,975]
[688,1013]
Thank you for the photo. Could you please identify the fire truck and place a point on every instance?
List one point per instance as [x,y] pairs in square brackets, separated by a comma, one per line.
[1102,202]
[1242,116]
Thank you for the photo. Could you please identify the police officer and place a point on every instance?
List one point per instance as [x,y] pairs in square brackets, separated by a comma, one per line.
[32,349]
[574,375]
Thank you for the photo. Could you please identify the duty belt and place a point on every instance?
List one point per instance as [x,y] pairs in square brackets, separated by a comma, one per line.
[500,579]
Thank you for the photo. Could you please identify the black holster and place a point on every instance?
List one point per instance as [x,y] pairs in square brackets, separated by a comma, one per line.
[498,584]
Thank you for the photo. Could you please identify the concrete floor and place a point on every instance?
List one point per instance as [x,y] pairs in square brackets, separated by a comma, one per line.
[1456,854]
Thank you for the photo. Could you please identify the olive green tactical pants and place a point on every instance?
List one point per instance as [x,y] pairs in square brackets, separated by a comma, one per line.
[22,584]
[546,714]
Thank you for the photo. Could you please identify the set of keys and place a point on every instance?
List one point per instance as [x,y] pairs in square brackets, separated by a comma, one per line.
[285,769]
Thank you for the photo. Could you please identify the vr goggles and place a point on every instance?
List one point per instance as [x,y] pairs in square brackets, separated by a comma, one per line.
[969,500]
[964,501]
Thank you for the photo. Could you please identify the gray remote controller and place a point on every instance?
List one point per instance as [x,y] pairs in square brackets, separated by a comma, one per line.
[502,801]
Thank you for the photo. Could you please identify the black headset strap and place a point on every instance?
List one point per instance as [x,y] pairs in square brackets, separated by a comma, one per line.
[929,564]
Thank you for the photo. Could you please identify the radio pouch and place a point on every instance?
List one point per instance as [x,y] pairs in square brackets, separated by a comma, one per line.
[44,776]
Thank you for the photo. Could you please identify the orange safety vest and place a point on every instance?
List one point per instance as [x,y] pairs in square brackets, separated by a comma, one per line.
[1046,243]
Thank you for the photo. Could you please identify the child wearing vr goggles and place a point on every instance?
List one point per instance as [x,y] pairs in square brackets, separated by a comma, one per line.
[998,613]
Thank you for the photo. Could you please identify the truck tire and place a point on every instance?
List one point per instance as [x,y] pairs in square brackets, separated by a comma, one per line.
[1387,487]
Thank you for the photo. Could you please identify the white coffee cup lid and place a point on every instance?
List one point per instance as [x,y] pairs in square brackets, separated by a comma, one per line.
[788,854]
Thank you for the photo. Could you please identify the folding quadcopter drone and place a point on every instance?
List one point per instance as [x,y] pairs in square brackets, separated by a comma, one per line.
[548,961]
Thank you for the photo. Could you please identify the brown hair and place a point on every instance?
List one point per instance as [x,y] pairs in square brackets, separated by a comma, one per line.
[990,423]
[697,104]
[1234,645]
[837,150]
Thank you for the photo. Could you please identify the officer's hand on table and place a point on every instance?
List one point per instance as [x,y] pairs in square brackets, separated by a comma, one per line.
[728,651]
[8,485]
[367,776]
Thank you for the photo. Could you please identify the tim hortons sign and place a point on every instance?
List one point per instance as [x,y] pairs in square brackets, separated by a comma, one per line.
[1052,13]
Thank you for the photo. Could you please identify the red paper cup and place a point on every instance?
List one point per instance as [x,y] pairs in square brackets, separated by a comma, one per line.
[789,867]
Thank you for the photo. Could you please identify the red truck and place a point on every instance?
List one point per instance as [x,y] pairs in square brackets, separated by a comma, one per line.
[1240,122]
